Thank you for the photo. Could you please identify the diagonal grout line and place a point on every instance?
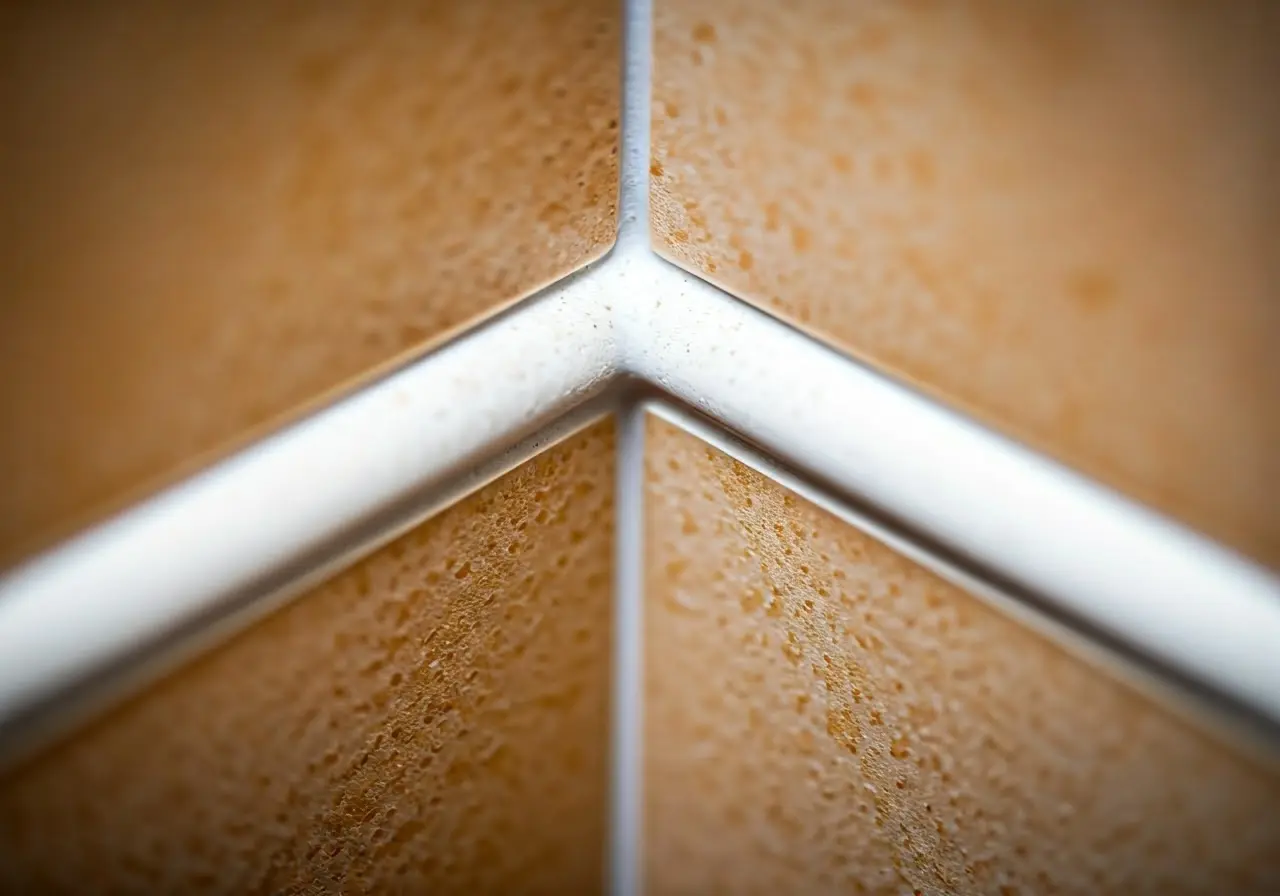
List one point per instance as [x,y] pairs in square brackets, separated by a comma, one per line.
[240,536]
[1188,699]
[213,551]
[1029,527]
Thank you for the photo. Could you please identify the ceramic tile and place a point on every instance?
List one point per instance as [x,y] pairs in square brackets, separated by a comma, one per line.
[824,716]
[213,213]
[1059,217]
[432,720]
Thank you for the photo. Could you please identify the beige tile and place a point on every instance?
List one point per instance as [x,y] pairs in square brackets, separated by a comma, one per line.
[824,716]
[213,212]
[433,720]
[1064,218]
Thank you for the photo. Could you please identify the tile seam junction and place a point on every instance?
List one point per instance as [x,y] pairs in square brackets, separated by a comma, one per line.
[428,434]
[242,535]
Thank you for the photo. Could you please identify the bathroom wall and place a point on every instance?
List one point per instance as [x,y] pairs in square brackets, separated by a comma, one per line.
[432,720]
[212,214]
[824,716]
[1063,218]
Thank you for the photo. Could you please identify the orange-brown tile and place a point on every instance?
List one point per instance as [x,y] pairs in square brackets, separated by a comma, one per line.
[824,716]
[1064,218]
[433,720]
[213,213]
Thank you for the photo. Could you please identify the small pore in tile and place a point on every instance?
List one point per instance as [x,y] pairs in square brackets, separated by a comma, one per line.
[704,33]
[433,720]
[824,716]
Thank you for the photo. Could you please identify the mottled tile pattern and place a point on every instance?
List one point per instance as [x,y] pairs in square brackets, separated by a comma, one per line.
[211,213]
[1062,217]
[824,716]
[434,720]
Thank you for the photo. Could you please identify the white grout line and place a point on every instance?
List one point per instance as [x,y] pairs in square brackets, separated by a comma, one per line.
[245,532]
[303,500]
[626,796]
[1173,692]
[1081,550]
[637,91]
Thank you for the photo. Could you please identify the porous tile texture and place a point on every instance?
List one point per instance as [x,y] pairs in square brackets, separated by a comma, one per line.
[824,716]
[433,720]
[1062,217]
[211,213]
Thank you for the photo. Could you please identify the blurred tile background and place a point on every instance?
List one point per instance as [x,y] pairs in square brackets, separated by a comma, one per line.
[213,213]
[1062,217]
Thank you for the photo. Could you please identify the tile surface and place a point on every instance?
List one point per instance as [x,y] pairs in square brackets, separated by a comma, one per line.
[433,720]
[824,716]
[1064,218]
[211,213]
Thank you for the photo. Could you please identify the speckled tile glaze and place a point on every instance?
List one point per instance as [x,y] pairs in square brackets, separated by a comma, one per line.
[433,720]
[1061,217]
[824,716]
[212,213]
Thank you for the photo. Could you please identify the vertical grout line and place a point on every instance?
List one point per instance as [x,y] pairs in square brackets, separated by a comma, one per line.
[625,810]
[637,72]
[626,748]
